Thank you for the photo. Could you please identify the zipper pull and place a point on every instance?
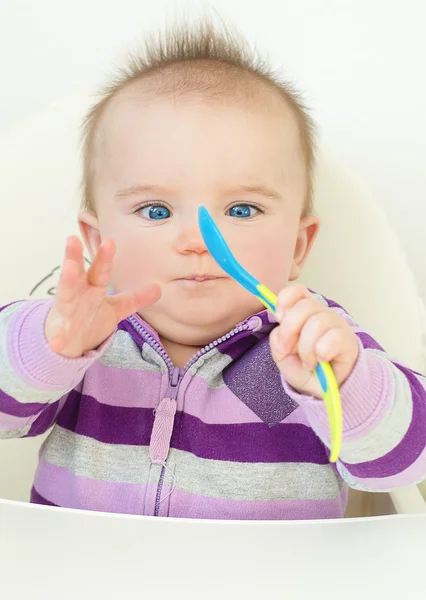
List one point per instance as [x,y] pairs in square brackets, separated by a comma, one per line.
[162,430]
[174,380]
[159,446]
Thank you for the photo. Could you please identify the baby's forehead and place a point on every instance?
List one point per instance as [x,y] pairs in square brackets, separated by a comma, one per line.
[239,139]
[248,94]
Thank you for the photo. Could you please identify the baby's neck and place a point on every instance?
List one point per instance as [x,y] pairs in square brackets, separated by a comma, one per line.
[179,353]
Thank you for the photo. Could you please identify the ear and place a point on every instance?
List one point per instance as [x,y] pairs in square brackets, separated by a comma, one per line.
[89,227]
[308,231]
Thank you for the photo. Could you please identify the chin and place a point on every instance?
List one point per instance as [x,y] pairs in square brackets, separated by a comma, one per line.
[202,320]
[194,328]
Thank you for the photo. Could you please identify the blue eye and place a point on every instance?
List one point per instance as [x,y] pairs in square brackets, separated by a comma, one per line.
[155,212]
[242,211]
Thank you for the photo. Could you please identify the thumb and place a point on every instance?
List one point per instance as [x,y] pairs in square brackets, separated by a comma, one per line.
[290,365]
[273,340]
[125,304]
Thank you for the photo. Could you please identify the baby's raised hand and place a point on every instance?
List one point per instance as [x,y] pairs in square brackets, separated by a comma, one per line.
[308,333]
[83,315]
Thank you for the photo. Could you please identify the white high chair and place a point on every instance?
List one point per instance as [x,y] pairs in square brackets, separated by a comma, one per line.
[357,261]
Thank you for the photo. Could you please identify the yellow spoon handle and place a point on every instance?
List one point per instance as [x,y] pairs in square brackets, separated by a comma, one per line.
[327,381]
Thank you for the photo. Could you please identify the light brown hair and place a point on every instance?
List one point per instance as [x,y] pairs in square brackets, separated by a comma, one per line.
[200,59]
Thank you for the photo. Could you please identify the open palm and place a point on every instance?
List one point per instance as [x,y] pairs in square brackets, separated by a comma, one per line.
[83,315]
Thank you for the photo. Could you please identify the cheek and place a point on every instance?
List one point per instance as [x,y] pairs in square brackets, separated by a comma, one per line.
[270,259]
[137,259]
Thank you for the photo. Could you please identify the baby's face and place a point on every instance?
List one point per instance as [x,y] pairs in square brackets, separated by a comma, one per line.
[158,160]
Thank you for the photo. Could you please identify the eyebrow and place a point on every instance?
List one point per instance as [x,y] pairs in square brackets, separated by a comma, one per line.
[257,189]
[135,190]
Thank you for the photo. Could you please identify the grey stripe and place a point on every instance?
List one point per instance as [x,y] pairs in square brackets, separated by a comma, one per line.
[87,457]
[210,367]
[234,481]
[392,428]
[8,434]
[151,357]
[319,298]
[253,481]
[385,355]
[10,383]
[124,353]
[340,311]
[363,485]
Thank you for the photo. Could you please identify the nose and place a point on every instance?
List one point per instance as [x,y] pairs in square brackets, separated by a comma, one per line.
[189,240]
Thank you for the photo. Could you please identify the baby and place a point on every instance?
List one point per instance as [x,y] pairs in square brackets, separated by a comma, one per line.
[171,391]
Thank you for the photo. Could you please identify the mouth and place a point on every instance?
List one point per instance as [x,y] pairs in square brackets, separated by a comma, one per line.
[198,278]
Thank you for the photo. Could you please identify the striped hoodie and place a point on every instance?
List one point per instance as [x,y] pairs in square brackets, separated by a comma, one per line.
[223,438]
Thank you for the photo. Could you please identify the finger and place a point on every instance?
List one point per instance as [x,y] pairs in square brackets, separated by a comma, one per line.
[315,328]
[274,343]
[99,273]
[294,320]
[74,251]
[57,343]
[332,344]
[277,353]
[126,304]
[69,276]
[291,367]
[288,297]
[67,289]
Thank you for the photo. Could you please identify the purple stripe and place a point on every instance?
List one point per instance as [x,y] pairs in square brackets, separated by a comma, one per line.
[415,473]
[186,505]
[267,318]
[248,442]
[10,423]
[110,424]
[68,490]
[37,499]
[10,406]
[331,303]
[411,445]
[135,335]
[368,342]
[238,345]
[44,421]
[41,423]
[217,405]
[221,406]
[252,442]
[2,308]
[124,387]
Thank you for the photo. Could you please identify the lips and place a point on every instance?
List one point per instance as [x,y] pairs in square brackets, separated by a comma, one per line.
[197,278]
[200,278]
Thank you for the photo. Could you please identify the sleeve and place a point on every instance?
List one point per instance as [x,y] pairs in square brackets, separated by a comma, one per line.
[34,381]
[384,418]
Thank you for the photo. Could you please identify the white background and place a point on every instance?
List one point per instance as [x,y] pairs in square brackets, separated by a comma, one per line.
[360,63]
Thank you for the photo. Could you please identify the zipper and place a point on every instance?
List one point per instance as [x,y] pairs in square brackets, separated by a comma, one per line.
[176,375]
[149,339]
[175,379]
